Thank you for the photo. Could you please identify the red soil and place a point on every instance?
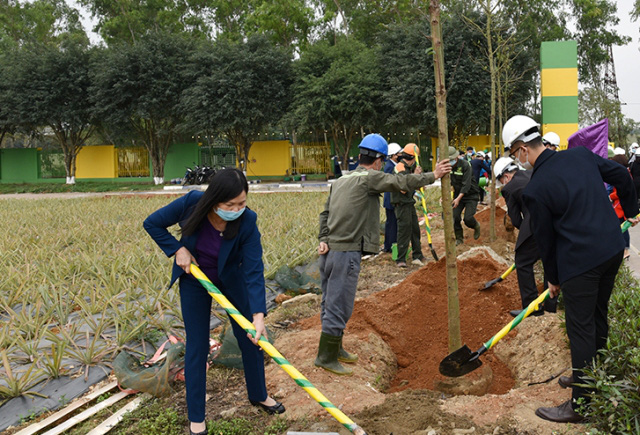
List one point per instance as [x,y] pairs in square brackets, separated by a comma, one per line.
[412,318]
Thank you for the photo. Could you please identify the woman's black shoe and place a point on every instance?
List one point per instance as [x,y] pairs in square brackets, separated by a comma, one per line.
[204,432]
[278,408]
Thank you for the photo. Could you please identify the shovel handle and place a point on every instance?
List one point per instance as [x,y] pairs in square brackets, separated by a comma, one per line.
[533,306]
[508,271]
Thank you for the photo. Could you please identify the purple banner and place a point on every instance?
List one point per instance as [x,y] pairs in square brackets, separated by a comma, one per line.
[594,137]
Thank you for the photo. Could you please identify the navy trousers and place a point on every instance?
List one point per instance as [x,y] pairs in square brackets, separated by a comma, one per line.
[196,312]
[390,229]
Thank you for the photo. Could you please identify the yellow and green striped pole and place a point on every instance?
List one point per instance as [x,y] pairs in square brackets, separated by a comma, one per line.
[273,353]
[424,209]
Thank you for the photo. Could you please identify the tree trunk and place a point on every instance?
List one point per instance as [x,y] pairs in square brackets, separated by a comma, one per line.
[455,340]
[492,124]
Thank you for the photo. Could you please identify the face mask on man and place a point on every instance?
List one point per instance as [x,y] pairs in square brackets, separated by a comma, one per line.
[525,164]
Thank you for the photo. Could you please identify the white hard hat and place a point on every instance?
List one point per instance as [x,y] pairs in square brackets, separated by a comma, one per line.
[480,153]
[394,148]
[634,146]
[502,165]
[519,127]
[617,151]
[551,138]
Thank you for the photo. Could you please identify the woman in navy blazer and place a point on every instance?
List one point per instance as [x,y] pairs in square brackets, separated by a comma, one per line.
[219,234]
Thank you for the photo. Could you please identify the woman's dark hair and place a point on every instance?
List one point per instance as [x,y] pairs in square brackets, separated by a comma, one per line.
[622,159]
[225,185]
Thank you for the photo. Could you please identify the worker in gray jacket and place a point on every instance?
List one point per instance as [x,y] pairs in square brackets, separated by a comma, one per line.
[349,228]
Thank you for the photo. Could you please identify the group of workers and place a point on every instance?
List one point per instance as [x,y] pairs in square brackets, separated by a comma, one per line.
[556,199]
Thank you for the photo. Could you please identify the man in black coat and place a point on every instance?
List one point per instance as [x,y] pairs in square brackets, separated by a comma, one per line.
[466,194]
[579,239]
[514,181]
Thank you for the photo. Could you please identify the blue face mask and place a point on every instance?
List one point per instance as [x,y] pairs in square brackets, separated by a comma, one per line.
[453,162]
[228,215]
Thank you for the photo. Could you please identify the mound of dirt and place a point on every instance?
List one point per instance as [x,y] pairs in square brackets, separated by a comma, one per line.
[401,336]
[412,317]
[537,354]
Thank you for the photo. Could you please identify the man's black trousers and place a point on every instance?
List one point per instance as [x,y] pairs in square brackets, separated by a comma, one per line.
[586,300]
[526,256]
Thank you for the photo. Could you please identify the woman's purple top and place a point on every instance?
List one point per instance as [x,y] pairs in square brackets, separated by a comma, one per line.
[208,248]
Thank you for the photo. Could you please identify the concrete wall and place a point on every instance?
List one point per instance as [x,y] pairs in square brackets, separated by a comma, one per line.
[100,161]
[19,165]
[180,156]
[267,158]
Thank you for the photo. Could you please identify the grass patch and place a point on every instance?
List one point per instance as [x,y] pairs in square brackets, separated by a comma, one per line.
[80,186]
[615,376]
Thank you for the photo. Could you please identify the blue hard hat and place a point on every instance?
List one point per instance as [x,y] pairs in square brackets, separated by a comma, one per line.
[373,145]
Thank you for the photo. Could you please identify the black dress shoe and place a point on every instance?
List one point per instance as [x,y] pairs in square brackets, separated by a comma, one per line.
[565,381]
[278,408]
[204,432]
[515,313]
[560,414]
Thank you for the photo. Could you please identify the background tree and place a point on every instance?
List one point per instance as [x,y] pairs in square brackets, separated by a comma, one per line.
[406,63]
[137,88]
[129,20]
[44,22]
[338,90]
[364,20]
[48,86]
[287,23]
[238,89]
[595,20]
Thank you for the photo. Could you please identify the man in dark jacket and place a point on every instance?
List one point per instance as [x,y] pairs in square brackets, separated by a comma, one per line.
[391,224]
[404,206]
[478,165]
[466,194]
[514,181]
[579,238]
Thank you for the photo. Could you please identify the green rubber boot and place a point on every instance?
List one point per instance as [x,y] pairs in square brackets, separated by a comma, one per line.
[328,355]
[459,237]
[476,231]
[346,357]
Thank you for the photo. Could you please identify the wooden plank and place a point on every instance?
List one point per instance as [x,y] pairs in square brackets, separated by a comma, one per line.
[87,413]
[116,418]
[31,429]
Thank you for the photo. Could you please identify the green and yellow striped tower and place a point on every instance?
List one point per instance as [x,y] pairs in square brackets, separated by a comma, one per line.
[559,88]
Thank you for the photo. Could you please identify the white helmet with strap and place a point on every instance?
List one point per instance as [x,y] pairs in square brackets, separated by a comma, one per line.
[518,128]
[551,138]
[502,166]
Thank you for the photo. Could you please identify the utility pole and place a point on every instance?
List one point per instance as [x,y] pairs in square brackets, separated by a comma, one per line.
[611,93]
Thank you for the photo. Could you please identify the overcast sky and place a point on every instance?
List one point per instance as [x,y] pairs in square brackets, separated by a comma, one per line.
[627,62]
[626,58]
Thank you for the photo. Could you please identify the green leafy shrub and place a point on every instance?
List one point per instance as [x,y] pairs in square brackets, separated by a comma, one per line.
[615,376]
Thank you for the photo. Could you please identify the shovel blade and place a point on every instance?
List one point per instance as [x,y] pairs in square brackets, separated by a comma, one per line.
[460,362]
[433,253]
[491,283]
